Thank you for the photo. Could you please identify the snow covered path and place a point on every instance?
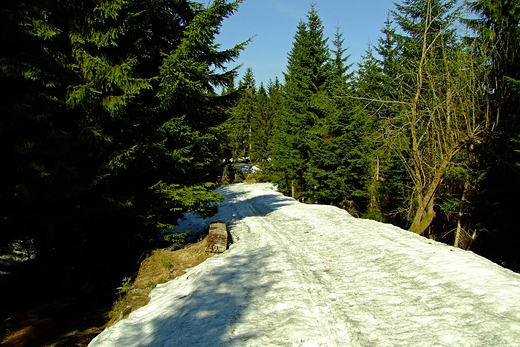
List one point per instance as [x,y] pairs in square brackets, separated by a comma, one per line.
[312,275]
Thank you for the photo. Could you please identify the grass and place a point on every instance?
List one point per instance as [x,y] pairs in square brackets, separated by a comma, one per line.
[250,178]
[256,177]
[161,266]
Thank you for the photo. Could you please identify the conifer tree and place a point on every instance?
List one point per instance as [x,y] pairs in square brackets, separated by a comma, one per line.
[110,123]
[377,88]
[304,105]
[242,114]
[339,65]
[273,111]
[262,124]
[367,91]
[339,152]
[325,176]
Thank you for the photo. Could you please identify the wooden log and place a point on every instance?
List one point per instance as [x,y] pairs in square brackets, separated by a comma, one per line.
[217,238]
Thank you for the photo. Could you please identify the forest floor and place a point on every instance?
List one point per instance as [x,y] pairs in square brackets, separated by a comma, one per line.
[64,317]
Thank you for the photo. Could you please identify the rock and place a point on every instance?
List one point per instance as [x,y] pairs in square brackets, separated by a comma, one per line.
[217,238]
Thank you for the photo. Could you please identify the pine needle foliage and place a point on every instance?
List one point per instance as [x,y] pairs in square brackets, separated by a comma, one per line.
[110,125]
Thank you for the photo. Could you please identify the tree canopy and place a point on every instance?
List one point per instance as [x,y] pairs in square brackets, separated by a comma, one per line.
[117,115]
[111,126]
[423,134]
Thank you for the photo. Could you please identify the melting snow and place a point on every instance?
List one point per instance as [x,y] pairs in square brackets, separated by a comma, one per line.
[312,275]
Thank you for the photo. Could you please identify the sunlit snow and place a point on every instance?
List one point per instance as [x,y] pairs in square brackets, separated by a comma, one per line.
[312,275]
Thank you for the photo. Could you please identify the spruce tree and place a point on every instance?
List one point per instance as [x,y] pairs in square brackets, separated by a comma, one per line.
[110,121]
[377,89]
[338,165]
[262,124]
[273,112]
[339,66]
[241,117]
[304,106]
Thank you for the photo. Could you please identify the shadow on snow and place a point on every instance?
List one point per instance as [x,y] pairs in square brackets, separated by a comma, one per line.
[234,208]
[207,316]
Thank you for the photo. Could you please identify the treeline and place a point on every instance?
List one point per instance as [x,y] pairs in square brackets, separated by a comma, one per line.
[116,117]
[423,134]
[110,124]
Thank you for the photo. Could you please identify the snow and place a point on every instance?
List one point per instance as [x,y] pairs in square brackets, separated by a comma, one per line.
[312,275]
[248,169]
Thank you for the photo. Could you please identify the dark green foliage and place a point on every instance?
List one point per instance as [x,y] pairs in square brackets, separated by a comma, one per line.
[262,125]
[304,106]
[241,117]
[110,125]
[377,88]
[498,32]
[321,150]
[252,123]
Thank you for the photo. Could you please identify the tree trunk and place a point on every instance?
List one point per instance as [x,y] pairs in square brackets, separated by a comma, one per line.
[426,201]
[424,215]
[374,204]
[458,231]
[471,240]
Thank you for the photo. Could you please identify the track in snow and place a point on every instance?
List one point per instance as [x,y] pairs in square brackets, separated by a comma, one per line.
[312,275]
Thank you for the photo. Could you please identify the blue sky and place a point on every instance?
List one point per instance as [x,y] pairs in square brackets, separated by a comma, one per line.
[273,25]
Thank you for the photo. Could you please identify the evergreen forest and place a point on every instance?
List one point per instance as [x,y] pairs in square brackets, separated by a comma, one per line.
[423,132]
[117,117]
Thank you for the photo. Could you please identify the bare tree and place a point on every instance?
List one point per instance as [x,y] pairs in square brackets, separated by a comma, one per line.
[442,114]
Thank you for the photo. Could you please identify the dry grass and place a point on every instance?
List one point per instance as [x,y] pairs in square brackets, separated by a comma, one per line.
[250,178]
[161,266]
[18,337]
[256,177]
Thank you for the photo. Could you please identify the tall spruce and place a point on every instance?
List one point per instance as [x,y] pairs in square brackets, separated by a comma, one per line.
[270,121]
[377,89]
[345,141]
[324,177]
[304,106]
[262,124]
[110,123]
[368,91]
[242,114]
